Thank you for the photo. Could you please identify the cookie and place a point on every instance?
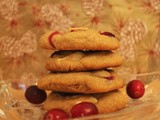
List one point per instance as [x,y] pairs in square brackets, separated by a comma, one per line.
[79,39]
[81,82]
[105,102]
[61,61]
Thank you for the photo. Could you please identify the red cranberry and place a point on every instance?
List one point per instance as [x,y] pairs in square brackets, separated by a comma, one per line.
[107,34]
[135,89]
[35,95]
[51,36]
[56,114]
[109,78]
[83,109]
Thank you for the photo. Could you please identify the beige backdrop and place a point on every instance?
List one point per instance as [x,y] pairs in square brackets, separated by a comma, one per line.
[135,22]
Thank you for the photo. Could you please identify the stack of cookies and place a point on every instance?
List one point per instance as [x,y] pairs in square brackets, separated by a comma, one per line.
[81,70]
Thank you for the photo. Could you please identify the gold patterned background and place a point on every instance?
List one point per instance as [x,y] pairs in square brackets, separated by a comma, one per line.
[135,22]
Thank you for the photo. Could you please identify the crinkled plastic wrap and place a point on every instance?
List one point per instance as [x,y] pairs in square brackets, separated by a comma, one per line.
[146,108]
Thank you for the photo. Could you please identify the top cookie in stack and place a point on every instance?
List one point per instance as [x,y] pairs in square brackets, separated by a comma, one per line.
[79,39]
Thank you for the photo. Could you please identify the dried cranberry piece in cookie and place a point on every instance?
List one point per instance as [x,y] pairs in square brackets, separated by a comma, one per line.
[73,30]
[51,36]
[107,34]
[109,77]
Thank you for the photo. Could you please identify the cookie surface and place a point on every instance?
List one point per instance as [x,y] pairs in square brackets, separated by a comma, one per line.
[83,39]
[81,82]
[82,60]
[105,102]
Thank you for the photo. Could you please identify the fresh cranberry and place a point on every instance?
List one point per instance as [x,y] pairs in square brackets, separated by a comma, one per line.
[135,89]
[56,114]
[83,109]
[35,95]
[107,34]
[51,36]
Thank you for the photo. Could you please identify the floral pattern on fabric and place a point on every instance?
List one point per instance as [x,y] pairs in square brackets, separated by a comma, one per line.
[136,24]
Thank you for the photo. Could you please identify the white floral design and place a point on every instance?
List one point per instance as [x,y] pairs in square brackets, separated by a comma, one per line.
[58,21]
[8,9]
[13,48]
[131,33]
[155,5]
[92,7]
[28,42]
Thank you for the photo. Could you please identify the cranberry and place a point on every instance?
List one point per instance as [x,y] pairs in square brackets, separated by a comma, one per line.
[73,30]
[83,109]
[51,36]
[56,114]
[135,89]
[109,78]
[107,34]
[35,95]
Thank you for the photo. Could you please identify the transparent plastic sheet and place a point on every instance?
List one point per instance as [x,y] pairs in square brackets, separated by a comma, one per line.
[146,108]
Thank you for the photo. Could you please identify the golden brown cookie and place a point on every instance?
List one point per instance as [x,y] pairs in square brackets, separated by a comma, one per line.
[81,82]
[62,61]
[79,39]
[105,102]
